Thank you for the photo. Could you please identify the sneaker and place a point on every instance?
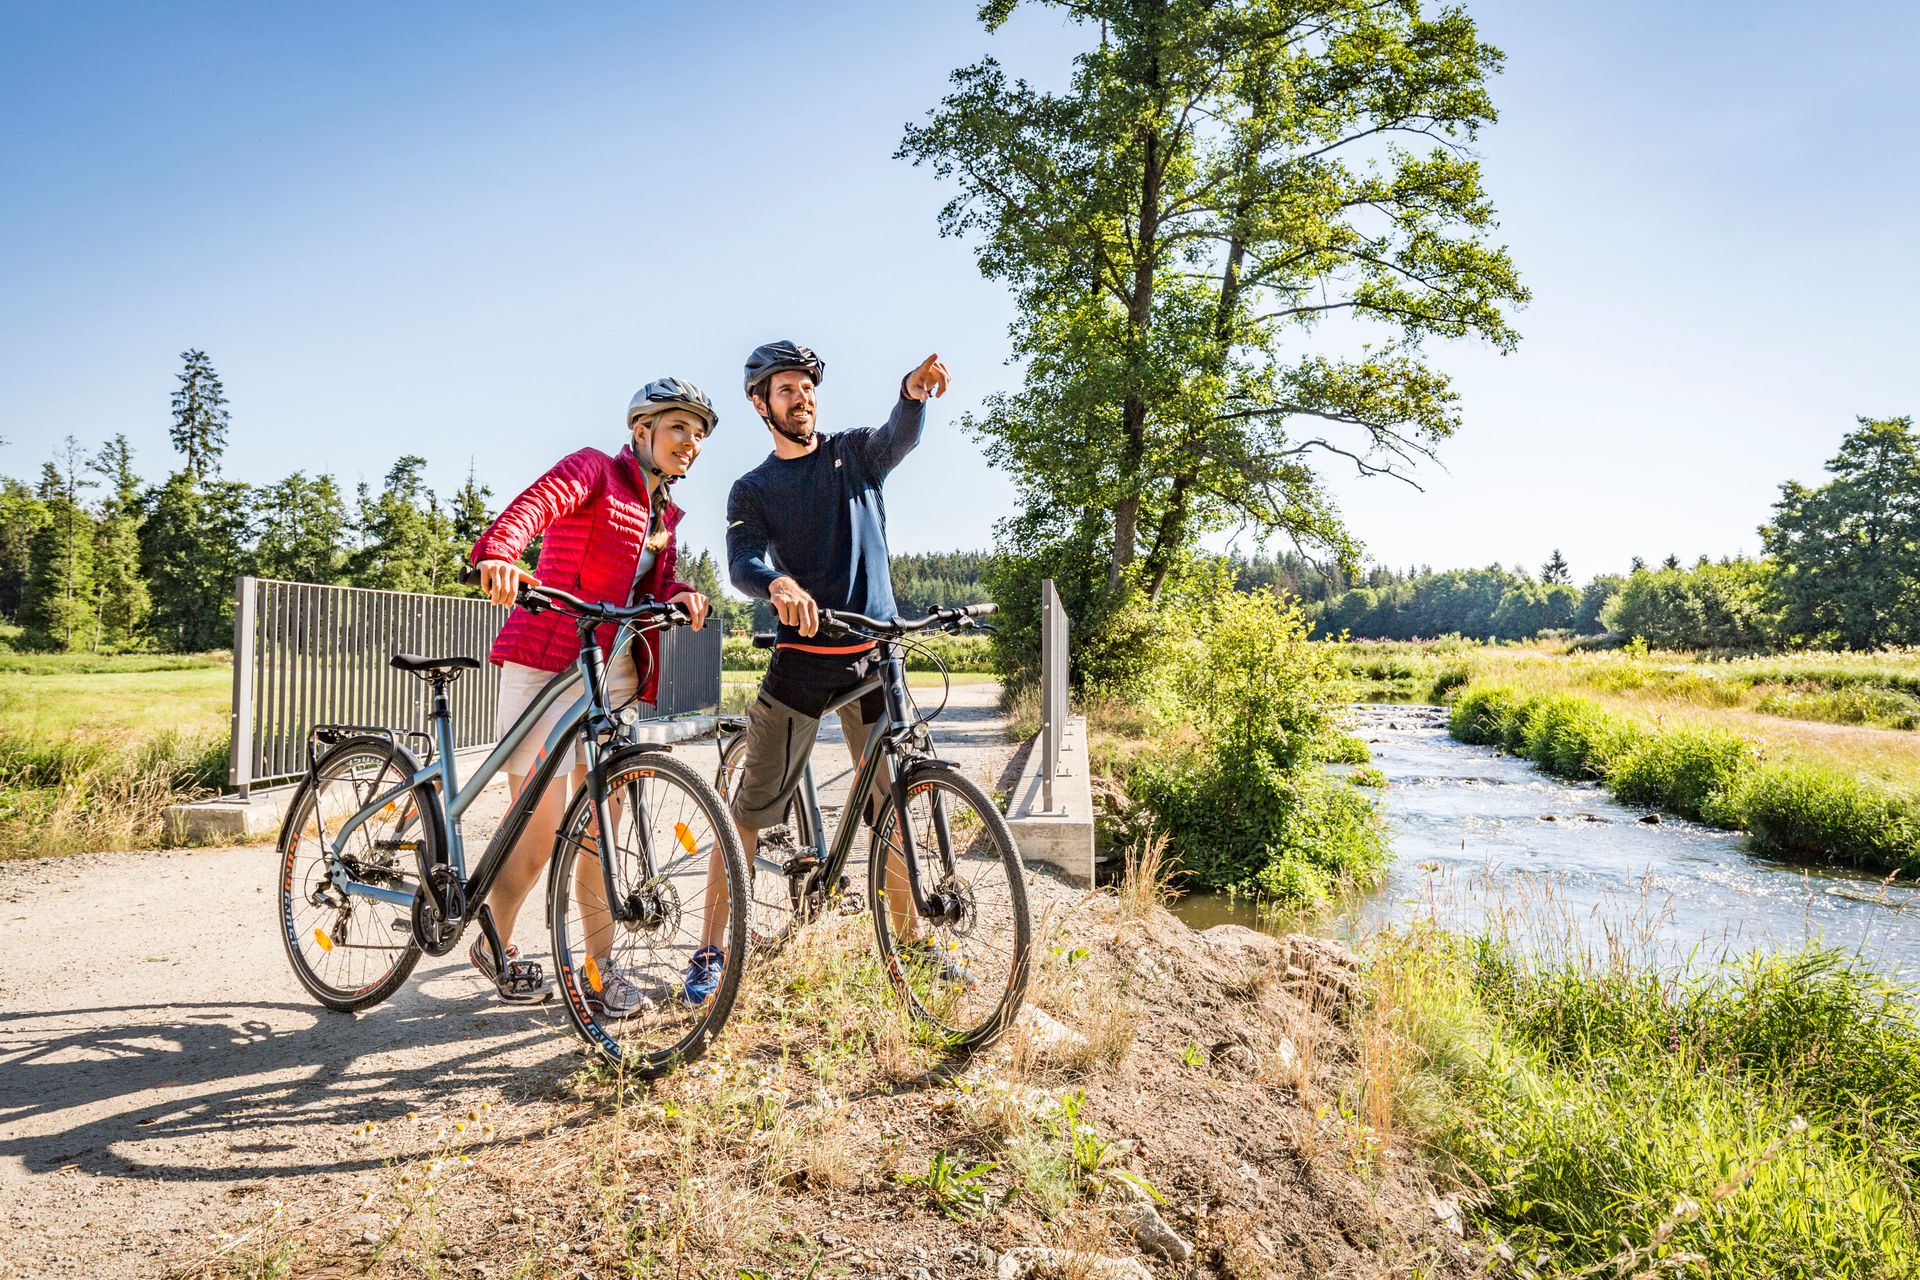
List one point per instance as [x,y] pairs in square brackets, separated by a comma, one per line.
[946,961]
[522,983]
[703,975]
[617,997]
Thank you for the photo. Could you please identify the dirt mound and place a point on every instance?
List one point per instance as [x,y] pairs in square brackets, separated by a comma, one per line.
[1174,1103]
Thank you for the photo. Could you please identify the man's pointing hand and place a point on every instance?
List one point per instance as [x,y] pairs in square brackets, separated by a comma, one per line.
[930,379]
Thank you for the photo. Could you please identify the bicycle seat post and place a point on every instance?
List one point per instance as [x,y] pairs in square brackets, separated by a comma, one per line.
[440,723]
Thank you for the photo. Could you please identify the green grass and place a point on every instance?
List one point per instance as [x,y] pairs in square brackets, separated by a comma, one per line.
[1755,1120]
[94,747]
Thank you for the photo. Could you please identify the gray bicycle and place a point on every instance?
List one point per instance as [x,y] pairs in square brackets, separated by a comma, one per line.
[945,886]
[373,871]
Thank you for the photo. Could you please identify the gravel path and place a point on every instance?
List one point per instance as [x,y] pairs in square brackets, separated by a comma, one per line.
[163,1075]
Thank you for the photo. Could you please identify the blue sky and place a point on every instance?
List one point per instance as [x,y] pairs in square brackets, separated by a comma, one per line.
[470,232]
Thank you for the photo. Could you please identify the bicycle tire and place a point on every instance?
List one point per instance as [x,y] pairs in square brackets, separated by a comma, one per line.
[675,797]
[974,1008]
[770,907]
[306,895]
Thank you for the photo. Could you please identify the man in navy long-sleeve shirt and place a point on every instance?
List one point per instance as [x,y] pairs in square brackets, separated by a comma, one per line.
[807,530]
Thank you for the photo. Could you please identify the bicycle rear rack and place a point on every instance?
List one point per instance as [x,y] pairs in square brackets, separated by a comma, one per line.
[327,735]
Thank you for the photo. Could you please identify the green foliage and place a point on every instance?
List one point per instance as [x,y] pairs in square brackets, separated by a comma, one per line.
[1788,808]
[120,592]
[1250,806]
[58,604]
[192,549]
[1593,602]
[1711,606]
[22,514]
[1165,274]
[199,429]
[1849,551]
[957,1188]
[302,530]
[1490,603]
[1759,1116]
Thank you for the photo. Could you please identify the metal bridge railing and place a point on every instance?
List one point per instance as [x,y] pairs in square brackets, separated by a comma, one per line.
[1053,687]
[305,654]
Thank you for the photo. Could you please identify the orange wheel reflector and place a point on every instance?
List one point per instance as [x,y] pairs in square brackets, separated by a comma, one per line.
[593,974]
[687,841]
[320,936]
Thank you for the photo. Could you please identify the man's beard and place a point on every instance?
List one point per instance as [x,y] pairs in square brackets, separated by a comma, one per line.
[785,423]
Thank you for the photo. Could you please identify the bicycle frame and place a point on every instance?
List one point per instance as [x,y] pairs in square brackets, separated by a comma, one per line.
[589,711]
[890,735]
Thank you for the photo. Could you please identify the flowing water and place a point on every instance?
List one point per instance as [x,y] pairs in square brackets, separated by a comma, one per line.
[1480,837]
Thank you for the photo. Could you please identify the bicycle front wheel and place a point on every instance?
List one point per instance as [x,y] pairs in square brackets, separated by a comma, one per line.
[965,974]
[650,992]
[351,952]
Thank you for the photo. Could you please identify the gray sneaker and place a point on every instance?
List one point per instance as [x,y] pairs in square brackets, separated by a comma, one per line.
[618,997]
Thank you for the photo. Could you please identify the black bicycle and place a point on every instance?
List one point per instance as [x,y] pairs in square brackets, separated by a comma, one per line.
[945,884]
[373,872]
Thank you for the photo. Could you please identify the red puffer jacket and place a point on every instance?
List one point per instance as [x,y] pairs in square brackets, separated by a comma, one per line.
[594,510]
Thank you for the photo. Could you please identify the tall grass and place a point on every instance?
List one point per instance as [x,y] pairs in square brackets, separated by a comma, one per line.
[1755,1120]
[1788,807]
[83,793]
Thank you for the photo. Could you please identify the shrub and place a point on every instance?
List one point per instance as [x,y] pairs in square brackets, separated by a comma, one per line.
[1796,810]
[1686,770]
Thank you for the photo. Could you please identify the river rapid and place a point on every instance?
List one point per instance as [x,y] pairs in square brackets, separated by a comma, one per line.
[1482,838]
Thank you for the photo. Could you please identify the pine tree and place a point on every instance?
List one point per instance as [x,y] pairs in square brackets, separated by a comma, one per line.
[58,609]
[301,524]
[1555,569]
[199,428]
[401,545]
[121,595]
[470,514]
[22,515]
[1671,562]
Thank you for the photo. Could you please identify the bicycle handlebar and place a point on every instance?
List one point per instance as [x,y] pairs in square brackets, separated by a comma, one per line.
[836,622]
[533,597]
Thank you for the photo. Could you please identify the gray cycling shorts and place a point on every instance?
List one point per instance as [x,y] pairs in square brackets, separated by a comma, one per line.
[779,742]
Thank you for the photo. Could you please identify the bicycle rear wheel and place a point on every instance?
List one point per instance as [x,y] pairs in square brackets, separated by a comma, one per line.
[352,952]
[966,975]
[624,984]
[771,916]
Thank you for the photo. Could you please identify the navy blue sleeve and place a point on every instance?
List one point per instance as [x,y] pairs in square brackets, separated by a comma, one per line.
[882,448]
[747,562]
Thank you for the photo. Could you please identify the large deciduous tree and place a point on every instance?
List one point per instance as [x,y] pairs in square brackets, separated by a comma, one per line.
[1848,552]
[1219,178]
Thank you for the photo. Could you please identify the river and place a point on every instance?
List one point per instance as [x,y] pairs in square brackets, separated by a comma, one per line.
[1480,837]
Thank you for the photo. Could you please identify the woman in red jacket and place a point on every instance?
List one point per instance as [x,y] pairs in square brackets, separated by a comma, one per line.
[609,537]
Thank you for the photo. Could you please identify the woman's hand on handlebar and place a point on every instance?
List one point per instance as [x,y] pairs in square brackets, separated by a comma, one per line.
[696,606]
[501,581]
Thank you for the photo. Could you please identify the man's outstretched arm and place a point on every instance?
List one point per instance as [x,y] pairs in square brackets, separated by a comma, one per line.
[887,445]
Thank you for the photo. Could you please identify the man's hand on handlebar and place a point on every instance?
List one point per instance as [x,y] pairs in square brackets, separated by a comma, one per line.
[696,606]
[794,606]
[501,581]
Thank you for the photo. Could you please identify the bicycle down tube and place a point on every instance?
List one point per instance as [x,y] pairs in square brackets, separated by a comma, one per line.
[555,751]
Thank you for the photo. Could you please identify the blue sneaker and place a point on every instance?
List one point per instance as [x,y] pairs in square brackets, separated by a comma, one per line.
[703,975]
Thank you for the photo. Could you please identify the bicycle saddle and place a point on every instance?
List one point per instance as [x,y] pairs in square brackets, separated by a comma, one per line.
[417,665]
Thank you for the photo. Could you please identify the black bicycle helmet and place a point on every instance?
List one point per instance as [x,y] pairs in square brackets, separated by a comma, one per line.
[671,393]
[775,357]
